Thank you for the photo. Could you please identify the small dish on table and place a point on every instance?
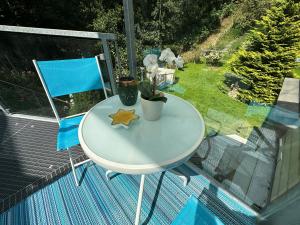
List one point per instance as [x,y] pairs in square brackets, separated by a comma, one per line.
[123,118]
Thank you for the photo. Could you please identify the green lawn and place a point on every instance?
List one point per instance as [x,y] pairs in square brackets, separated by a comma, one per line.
[199,83]
[297,72]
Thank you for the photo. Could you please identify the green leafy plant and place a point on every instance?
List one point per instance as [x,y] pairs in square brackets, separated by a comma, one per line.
[149,92]
[270,53]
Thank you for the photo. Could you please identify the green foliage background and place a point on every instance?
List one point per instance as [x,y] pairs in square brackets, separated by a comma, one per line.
[269,55]
[158,23]
[263,61]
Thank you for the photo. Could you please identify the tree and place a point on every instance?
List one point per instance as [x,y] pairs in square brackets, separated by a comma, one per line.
[159,23]
[249,11]
[59,14]
[269,56]
[176,23]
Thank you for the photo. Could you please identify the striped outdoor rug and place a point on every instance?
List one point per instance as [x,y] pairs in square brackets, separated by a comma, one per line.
[98,201]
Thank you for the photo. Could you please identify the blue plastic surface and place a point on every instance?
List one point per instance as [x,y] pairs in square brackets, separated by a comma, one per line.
[195,213]
[68,133]
[70,76]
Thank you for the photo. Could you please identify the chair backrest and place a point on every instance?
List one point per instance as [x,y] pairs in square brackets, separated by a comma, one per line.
[69,76]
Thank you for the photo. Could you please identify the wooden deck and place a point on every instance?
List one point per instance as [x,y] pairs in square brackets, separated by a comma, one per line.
[287,173]
[288,164]
[245,168]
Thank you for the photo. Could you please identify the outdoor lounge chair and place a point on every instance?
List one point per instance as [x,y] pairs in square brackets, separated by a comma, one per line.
[64,77]
[195,213]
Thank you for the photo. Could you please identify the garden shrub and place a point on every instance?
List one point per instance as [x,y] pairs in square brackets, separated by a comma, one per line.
[201,60]
[213,58]
[270,53]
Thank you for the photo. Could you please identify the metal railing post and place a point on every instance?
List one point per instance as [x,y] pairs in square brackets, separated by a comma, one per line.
[109,66]
[130,36]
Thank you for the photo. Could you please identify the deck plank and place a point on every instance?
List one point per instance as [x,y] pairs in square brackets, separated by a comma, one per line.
[294,163]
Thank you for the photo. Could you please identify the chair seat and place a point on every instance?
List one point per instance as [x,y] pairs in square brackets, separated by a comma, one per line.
[195,213]
[68,132]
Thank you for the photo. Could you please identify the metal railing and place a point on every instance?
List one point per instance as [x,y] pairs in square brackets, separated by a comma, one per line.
[105,39]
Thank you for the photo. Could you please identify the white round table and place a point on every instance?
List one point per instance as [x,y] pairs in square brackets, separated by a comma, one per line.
[145,147]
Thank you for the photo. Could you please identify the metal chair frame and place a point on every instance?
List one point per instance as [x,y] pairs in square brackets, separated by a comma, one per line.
[73,165]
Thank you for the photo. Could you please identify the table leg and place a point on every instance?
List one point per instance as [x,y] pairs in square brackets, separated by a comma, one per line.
[139,203]
[182,176]
[107,174]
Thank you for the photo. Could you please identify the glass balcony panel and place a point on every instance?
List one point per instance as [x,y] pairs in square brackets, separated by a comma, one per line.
[250,150]
[253,155]
[248,147]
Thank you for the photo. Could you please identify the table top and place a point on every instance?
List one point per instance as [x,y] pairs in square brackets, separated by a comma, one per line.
[146,146]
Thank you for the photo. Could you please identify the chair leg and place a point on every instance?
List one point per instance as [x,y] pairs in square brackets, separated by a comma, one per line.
[73,167]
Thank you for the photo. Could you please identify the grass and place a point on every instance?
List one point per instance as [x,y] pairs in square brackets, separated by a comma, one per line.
[231,42]
[232,39]
[199,84]
[211,41]
[297,72]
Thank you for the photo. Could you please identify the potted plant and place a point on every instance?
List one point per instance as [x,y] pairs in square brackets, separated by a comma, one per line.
[152,100]
[128,90]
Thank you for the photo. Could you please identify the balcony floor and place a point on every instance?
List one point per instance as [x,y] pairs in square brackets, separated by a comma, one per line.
[38,188]
[98,201]
[28,157]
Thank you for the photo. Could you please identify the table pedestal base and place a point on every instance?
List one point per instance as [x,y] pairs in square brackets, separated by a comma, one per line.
[139,203]
[182,176]
[107,174]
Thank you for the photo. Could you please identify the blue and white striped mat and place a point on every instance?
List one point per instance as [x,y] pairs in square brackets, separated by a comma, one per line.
[98,201]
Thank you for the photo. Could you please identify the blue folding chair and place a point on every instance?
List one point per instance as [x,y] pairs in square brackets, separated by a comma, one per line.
[64,77]
[196,213]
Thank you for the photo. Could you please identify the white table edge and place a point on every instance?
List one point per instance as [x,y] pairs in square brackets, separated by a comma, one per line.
[139,169]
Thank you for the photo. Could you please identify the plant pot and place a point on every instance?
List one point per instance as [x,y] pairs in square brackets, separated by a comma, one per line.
[128,90]
[151,109]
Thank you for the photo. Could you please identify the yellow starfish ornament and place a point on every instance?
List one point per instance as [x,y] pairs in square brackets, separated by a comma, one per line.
[123,117]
